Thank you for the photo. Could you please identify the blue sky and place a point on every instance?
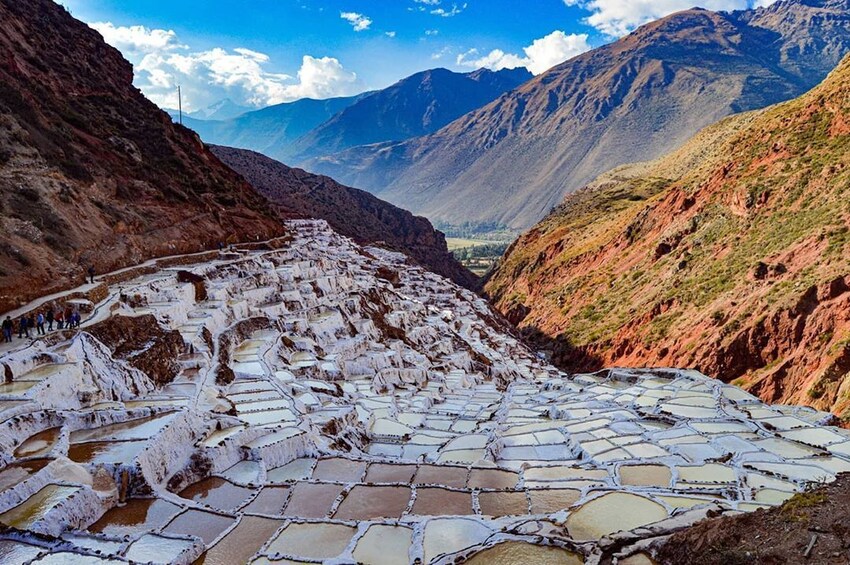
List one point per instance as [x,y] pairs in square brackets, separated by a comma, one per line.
[259,52]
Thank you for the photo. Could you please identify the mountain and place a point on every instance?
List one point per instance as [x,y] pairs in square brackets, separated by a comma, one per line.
[351,212]
[270,130]
[415,106]
[91,172]
[306,129]
[508,163]
[225,109]
[731,255]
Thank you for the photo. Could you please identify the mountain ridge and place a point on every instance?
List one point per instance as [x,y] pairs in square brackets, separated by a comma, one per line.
[511,161]
[91,171]
[352,212]
[729,255]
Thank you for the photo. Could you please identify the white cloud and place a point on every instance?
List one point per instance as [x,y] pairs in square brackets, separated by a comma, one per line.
[162,63]
[428,2]
[358,21]
[455,10]
[138,40]
[619,17]
[390,33]
[543,54]
[432,32]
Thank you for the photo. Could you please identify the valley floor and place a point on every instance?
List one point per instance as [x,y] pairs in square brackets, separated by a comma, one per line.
[326,402]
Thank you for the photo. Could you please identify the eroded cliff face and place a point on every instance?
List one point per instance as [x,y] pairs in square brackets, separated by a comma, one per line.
[91,172]
[354,213]
[730,255]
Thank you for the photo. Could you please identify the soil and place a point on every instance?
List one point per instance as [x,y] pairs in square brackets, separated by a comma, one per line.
[772,537]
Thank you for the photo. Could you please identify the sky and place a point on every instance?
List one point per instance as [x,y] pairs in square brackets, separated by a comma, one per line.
[262,52]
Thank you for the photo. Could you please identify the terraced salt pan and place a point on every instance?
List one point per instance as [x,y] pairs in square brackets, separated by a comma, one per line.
[377,423]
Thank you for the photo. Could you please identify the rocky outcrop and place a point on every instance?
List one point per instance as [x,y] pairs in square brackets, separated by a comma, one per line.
[143,343]
[730,255]
[510,162]
[93,173]
[351,212]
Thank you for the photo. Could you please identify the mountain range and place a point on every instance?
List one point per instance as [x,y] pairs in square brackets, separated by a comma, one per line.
[351,212]
[93,174]
[731,255]
[509,162]
[415,106]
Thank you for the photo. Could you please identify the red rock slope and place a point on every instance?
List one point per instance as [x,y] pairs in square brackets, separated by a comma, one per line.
[91,172]
[731,255]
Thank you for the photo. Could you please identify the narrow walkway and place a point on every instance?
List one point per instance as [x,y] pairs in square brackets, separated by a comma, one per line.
[100,312]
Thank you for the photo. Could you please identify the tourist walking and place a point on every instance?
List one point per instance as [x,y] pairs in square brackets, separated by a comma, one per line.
[91,274]
[23,330]
[39,323]
[69,319]
[60,319]
[31,324]
[7,329]
[49,319]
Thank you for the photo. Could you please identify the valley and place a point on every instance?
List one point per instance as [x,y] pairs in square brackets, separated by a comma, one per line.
[580,297]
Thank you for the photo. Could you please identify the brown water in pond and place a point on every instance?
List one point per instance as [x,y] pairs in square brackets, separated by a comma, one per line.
[502,503]
[313,541]
[441,502]
[38,444]
[106,451]
[271,500]
[646,475]
[312,500]
[554,500]
[206,525]
[33,509]
[342,470]
[387,473]
[140,428]
[521,553]
[217,493]
[17,552]
[138,515]
[242,542]
[370,502]
[152,548]
[492,478]
[446,476]
[18,472]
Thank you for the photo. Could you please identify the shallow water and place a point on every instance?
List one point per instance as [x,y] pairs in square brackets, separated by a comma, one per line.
[37,506]
[217,493]
[384,545]
[136,516]
[293,471]
[521,553]
[157,549]
[106,451]
[241,542]
[141,428]
[431,501]
[309,500]
[38,444]
[15,473]
[205,525]
[312,541]
[613,512]
[365,502]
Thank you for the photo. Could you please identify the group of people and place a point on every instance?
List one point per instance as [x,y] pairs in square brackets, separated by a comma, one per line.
[41,323]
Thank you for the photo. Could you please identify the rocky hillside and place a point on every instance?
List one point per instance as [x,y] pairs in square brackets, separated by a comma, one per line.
[511,161]
[351,212]
[415,106]
[731,255]
[91,172]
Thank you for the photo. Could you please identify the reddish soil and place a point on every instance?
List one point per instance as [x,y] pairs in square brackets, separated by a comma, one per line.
[772,537]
